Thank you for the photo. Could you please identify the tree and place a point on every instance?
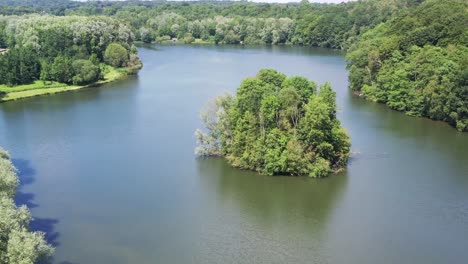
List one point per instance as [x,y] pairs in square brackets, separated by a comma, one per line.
[44,47]
[116,55]
[19,66]
[416,63]
[62,70]
[268,127]
[17,243]
[85,72]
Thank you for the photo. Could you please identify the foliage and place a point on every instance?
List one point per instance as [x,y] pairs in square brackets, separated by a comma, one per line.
[276,125]
[17,243]
[53,48]
[19,66]
[416,63]
[116,55]
[229,22]
[332,26]
[85,72]
[108,73]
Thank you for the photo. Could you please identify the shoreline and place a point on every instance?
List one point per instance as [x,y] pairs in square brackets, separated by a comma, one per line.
[200,42]
[114,75]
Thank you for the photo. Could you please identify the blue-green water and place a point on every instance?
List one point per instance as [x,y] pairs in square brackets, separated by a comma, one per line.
[110,173]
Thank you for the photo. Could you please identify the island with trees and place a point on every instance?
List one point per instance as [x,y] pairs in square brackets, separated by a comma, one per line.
[18,244]
[276,125]
[50,54]
[411,55]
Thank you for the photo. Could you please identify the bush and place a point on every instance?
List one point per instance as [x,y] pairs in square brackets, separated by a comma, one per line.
[116,55]
[188,38]
[85,72]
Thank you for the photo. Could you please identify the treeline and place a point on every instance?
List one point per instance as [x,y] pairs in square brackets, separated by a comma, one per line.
[277,125]
[334,26]
[218,30]
[417,62]
[17,243]
[71,50]
[330,26]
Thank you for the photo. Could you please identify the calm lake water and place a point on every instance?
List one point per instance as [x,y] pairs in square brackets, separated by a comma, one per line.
[110,173]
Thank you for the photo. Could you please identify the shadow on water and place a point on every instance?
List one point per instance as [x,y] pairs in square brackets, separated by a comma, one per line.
[286,219]
[27,175]
[267,198]
[47,225]
[421,132]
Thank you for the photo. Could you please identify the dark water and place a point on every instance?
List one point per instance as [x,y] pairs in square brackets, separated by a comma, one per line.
[110,173]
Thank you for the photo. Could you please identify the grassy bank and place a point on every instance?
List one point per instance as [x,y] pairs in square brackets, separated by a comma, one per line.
[47,88]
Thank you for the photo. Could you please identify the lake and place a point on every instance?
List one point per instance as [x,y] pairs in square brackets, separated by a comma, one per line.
[110,173]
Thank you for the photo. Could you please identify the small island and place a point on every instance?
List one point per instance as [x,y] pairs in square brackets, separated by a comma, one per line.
[48,54]
[276,125]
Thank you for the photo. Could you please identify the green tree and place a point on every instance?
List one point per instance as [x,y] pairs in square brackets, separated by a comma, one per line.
[17,243]
[416,63]
[85,72]
[19,66]
[269,128]
[116,55]
[62,70]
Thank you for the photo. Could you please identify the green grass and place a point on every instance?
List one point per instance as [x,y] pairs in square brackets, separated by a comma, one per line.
[45,88]
[36,85]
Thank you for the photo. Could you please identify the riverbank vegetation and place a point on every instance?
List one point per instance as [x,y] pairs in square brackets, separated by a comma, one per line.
[277,125]
[330,26]
[223,22]
[48,51]
[408,54]
[417,62]
[18,244]
[39,87]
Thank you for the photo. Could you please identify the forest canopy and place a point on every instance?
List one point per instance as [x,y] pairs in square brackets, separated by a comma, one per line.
[334,26]
[277,125]
[417,62]
[68,49]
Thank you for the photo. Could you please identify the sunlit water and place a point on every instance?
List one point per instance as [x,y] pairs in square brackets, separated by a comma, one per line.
[111,176]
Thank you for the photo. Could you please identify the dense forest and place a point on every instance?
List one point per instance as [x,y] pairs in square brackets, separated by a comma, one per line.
[277,125]
[330,26]
[70,50]
[17,243]
[417,62]
[408,54]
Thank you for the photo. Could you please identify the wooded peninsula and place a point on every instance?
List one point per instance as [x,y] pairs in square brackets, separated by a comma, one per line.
[48,54]
[408,54]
